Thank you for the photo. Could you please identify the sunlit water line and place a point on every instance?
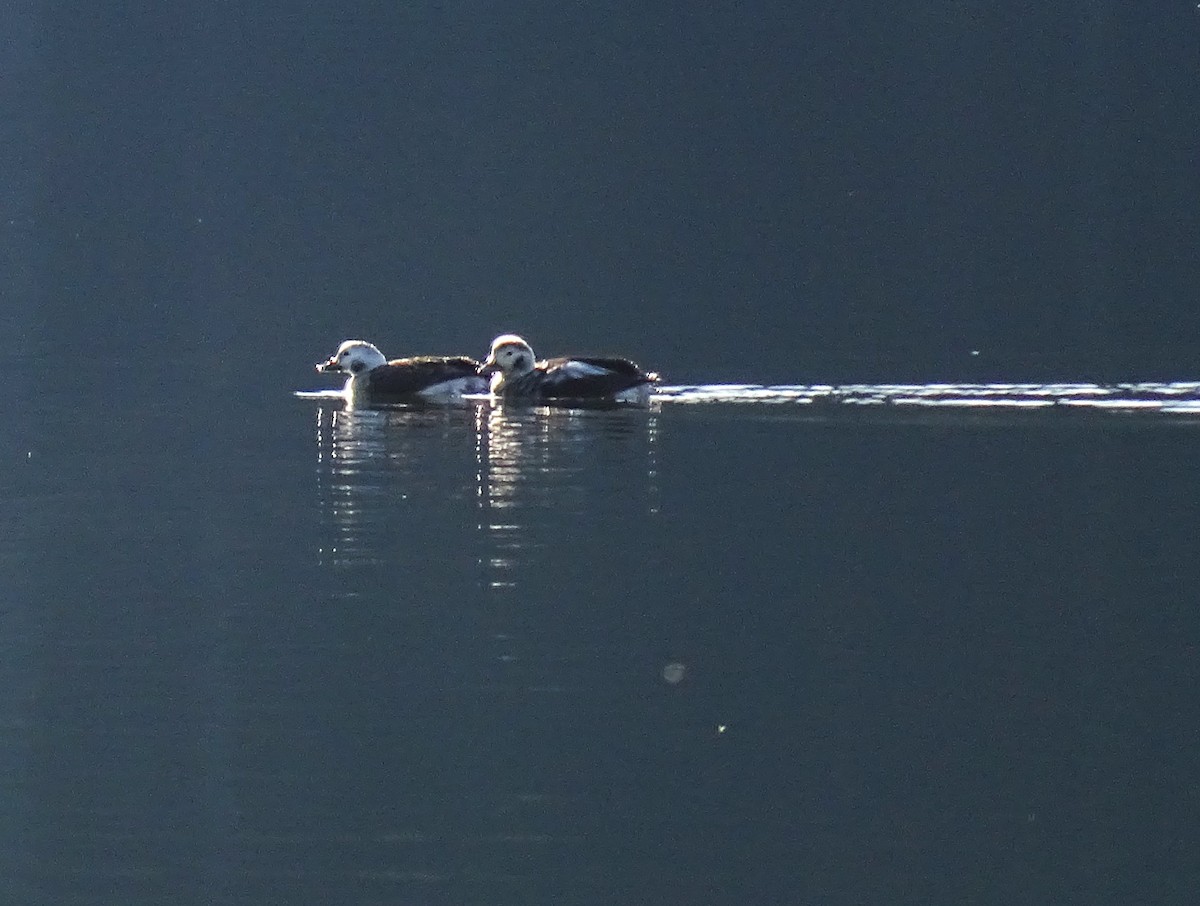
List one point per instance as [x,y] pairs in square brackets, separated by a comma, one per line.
[1168,398]
[1175,397]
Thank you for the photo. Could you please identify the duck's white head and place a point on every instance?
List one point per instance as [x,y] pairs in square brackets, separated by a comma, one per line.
[353,357]
[510,355]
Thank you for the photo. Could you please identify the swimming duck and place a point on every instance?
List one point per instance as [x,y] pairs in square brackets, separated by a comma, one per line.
[373,379]
[516,373]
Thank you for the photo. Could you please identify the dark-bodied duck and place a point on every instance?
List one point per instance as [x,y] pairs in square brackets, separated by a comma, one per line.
[516,374]
[375,380]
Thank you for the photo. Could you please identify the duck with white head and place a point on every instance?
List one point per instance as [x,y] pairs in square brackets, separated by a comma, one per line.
[517,374]
[374,380]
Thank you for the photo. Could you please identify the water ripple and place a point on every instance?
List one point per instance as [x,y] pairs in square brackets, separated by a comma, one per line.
[1178,397]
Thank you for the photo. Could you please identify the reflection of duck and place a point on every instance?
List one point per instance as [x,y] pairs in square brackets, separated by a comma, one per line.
[373,379]
[561,498]
[517,374]
[381,472]
[550,458]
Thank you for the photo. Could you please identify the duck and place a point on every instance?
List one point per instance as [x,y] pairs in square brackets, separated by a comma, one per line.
[375,380]
[517,374]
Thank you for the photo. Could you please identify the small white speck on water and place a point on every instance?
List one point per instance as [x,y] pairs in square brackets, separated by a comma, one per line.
[674,673]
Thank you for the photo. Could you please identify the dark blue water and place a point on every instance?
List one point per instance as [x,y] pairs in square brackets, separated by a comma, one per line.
[844,643]
[269,651]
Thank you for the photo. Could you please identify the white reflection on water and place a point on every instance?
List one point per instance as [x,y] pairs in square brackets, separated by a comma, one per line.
[1145,396]
[552,458]
[1177,397]
[566,499]
[546,456]
[378,468]
[372,464]
[538,459]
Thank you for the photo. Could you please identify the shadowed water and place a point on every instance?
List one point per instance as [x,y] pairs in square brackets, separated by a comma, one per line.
[502,654]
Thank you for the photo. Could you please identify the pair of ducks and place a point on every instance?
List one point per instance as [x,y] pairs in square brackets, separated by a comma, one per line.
[515,374]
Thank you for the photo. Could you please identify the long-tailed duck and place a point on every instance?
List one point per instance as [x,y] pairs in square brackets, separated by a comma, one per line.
[373,379]
[517,374]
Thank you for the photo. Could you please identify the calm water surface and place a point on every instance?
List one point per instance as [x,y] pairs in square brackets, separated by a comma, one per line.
[282,653]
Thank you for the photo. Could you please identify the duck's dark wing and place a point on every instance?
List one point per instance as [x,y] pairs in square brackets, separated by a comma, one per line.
[584,377]
[407,377]
[615,365]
